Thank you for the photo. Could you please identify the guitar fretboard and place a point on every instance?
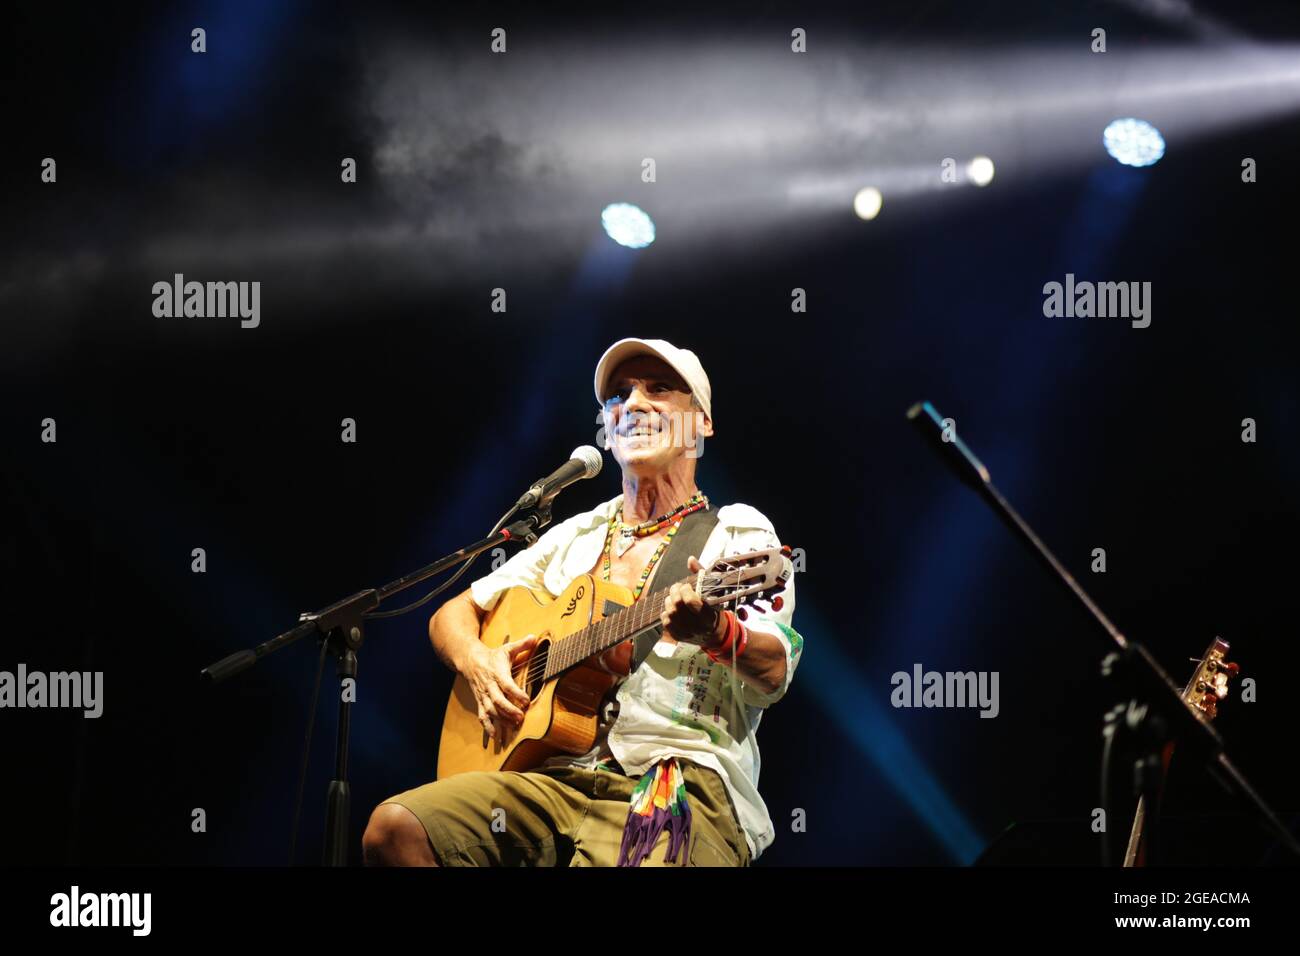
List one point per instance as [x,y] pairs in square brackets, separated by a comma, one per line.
[613,629]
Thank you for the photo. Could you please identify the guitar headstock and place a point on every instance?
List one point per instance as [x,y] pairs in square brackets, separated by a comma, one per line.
[746,578]
[1209,684]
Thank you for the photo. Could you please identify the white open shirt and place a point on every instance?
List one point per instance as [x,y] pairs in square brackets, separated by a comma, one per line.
[678,703]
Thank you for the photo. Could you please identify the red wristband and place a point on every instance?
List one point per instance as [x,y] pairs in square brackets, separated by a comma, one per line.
[735,630]
[726,638]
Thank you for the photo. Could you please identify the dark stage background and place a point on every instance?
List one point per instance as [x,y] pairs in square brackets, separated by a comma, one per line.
[175,434]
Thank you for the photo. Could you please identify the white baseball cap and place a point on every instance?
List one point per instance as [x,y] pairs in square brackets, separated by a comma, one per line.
[683,361]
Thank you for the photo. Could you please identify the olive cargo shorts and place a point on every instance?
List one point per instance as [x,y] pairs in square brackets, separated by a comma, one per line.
[564,816]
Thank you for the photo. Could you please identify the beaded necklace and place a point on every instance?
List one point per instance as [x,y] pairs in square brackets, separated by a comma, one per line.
[627,534]
[693,504]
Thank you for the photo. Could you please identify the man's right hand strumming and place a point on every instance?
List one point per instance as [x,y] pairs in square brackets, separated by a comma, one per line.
[454,631]
[501,702]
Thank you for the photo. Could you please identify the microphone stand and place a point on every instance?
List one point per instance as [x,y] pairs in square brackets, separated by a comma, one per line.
[342,626]
[1159,713]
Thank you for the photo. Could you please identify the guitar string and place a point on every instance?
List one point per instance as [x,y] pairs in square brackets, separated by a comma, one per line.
[737,697]
[580,637]
[537,668]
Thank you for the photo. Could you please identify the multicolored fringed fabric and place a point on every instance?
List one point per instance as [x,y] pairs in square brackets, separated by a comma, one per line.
[658,803]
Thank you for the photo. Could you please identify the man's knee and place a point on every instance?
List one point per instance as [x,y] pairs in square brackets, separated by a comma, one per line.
[396,837]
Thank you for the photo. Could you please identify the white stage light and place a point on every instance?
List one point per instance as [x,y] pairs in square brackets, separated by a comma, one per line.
[628,225]
[867,202]
[980,170]
[1133,142]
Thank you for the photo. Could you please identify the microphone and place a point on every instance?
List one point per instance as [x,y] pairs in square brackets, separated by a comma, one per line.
[584,462]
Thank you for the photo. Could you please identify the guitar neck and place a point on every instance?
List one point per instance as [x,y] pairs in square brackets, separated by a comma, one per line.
[609,631]
[1193,695]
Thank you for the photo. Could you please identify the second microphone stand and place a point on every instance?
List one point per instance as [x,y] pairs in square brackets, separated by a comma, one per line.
[1163,715]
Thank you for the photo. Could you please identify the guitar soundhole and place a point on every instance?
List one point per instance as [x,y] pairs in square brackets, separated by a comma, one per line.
[535,670]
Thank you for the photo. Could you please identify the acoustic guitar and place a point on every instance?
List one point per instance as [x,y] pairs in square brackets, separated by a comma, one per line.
[560,676]
[1208,686]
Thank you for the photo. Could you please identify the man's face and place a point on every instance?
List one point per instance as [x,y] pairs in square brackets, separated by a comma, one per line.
[650,420]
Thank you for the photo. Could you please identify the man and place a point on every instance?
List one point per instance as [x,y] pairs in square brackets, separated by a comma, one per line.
[672,777]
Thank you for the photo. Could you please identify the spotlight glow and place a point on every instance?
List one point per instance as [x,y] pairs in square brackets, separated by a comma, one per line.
[980,170]
[628,225]
[867,202]
[1133,142]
